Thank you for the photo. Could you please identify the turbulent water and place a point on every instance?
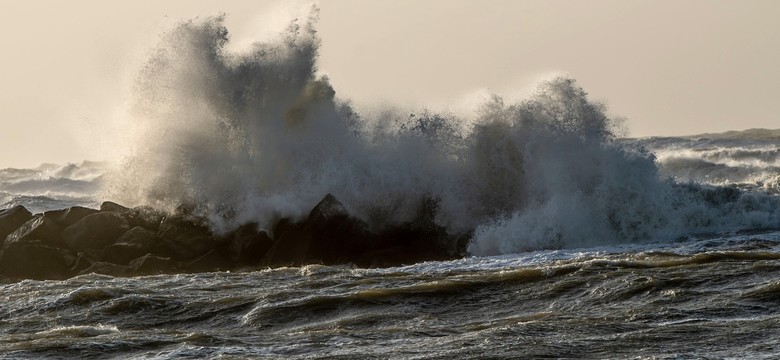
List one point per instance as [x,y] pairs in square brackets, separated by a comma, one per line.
[583,243]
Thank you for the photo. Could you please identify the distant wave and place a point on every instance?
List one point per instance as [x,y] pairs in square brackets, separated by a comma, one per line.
[732,159]
[52,186]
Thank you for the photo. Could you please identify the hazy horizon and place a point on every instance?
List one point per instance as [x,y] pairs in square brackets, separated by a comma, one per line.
[670,68]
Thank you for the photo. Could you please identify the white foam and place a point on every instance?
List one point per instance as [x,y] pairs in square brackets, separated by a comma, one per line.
[258,135]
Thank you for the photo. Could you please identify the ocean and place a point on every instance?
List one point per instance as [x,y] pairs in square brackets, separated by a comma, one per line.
[584,243]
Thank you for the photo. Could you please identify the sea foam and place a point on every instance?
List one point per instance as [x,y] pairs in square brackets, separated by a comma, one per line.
[259,135]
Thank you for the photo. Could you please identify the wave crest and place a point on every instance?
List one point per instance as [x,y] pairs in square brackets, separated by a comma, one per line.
[259,135]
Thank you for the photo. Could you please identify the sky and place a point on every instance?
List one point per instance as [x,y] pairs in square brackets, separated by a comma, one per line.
[668,67]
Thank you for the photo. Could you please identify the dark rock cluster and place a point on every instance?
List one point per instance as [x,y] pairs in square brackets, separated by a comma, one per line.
[120,241]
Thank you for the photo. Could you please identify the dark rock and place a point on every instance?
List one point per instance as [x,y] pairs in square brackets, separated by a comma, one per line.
[39,230]
[121,254]
[328,209]
[211,261]
[329,235]
[11,219]
[81,263]
[69,216]
[186,237]
[247,245]
[145,216]
[95,231]
[294,247]
[105,268]
[112,206]
[185,209]
[33,261]
[141,238]
[152,265]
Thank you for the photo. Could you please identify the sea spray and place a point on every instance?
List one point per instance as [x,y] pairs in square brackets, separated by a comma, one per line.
[260,135]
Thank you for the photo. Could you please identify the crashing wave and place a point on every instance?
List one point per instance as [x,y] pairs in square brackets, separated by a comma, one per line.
[260,135]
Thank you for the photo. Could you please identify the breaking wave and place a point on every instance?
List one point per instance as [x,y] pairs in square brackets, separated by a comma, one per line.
[257,135]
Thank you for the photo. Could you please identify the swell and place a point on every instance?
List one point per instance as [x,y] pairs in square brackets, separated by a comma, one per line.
[261,135]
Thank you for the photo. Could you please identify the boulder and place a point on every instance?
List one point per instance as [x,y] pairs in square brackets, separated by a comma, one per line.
[247,245]
[95,231]
[211,261]
[329,235]
[186,237]
[113,207]
[39,229]
[121,254]
[145,216]
[11,219]
[33,261]
[152,265]
[80,263]
[141,238]
[69,216]
[105,268]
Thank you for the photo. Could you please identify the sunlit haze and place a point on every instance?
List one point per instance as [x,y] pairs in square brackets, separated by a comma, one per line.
[669,67]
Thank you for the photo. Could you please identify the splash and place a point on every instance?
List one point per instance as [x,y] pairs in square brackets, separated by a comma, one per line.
[260,135]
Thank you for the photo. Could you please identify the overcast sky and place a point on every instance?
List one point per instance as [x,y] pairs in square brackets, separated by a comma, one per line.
[669,67]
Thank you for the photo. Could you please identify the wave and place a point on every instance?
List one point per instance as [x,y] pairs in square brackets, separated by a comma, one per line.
[727,160]
[259,135]
[52,186]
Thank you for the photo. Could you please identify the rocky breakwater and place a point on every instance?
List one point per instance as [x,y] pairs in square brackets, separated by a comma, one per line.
[120,241]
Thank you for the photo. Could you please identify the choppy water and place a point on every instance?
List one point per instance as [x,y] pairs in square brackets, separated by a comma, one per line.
[584,244]
[714,297]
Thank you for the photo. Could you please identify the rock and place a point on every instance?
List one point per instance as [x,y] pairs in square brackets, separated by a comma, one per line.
[81,263]
[113,207]
[292,248]
[11,219]
[39,229]
[211,261]
[121,254]
[33,261]
[186,237]
[69,216]
[95,231]
[152,265]
[329,235]
[328,209]
[247,245]
[145,216]
[141,238]
[105,268]
[142,241]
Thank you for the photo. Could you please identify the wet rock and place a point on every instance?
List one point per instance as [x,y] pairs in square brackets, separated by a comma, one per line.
[39,230]
[329,235]
[69,216]
[247,245]
[141,238]
[121,254]
[113,207]
[95,231]
[105,268]
[211,261]
[145,216]
[33,261]
[186,237]
[152,265]
[80,263]
[11,219]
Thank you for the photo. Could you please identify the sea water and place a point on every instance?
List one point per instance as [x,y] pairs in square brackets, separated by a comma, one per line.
[584,243]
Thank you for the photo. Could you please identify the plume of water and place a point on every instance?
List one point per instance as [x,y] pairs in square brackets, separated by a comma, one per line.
[259,135]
